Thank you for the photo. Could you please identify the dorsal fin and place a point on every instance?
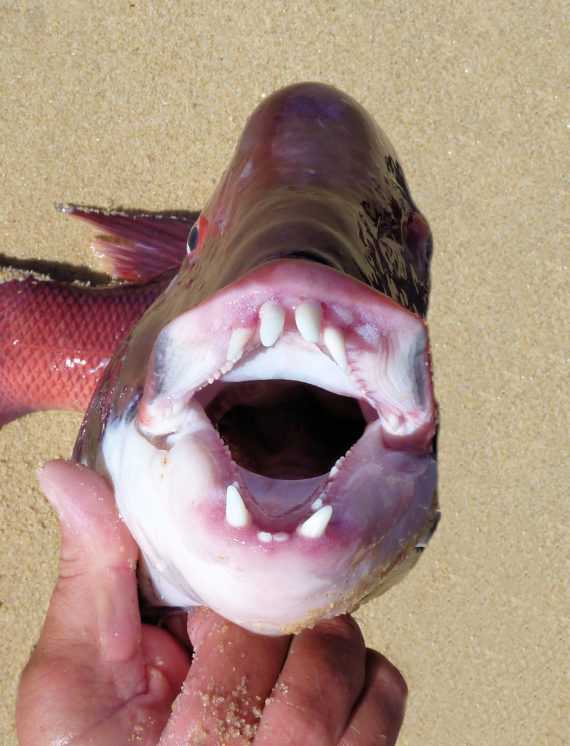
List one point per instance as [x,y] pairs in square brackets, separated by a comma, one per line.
[137,245]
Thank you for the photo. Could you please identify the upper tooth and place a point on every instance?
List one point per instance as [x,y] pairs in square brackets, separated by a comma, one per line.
[308,320]
[272,320]
[237,514]
[334,342]
[316,525]
[238,340]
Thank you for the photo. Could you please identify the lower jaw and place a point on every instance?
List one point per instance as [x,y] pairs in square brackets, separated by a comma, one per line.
[266,576]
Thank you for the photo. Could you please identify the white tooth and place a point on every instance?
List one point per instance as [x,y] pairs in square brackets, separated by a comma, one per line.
[265,536]
[308,320]
[334,342]
[318,504]
[237,515]
[316,525]
[238,340]
[334,470]
[280,536]
[272,320]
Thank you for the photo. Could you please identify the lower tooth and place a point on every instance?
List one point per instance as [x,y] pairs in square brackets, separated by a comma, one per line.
[237,515]
[318,504]
[265,536]
[394,425]
[316,525]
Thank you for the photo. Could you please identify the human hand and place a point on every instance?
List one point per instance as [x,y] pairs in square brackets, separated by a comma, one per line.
[100,676]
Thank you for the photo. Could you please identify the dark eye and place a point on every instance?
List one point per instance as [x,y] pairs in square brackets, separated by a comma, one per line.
[192,239]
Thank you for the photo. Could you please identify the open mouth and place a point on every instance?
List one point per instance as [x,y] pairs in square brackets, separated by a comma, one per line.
[297,379]
[279,467]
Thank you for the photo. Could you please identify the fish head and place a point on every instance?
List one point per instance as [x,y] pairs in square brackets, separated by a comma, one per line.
[269,424]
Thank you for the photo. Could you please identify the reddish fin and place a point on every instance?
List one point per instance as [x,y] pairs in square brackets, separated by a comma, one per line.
[136,245]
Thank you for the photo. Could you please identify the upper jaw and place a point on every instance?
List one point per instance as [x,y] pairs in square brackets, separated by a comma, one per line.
[295,320]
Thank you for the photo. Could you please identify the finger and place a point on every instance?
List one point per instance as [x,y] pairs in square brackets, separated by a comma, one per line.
[321,680]
[95,669]
[95,601]
[379,713]
[232,673]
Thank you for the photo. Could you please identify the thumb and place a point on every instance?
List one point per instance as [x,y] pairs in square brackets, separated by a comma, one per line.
[95,599]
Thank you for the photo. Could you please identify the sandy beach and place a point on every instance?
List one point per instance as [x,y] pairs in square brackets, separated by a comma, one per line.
[139,105]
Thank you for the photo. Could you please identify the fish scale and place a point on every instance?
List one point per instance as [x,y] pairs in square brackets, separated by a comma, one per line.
[57,338]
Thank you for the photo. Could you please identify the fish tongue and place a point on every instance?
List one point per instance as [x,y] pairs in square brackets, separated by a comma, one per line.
[278,498]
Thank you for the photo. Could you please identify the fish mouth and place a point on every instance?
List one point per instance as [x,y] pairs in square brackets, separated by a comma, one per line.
[290,419]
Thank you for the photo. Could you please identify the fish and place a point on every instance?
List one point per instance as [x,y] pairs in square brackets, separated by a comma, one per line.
[261,390]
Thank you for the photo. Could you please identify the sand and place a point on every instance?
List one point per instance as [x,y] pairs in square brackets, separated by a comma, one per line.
[139,104]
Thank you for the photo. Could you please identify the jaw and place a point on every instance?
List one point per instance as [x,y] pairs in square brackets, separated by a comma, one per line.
[285,431]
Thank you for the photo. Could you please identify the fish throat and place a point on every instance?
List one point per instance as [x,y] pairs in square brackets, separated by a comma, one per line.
[285,429]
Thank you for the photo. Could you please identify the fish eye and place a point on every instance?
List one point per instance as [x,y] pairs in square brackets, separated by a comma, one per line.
[192,239]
